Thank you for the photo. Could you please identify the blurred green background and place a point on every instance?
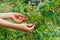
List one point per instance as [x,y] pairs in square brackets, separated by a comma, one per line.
[45,13]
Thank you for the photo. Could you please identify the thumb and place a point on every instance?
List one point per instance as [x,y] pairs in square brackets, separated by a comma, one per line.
[30,25]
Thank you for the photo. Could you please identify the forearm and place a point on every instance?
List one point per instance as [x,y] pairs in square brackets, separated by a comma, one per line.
[6,24]
[5,15]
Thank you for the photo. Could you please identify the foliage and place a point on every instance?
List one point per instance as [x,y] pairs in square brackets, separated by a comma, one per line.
[46,15]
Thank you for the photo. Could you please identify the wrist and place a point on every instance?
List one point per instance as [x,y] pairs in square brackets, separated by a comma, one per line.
[16,26]
[5,15]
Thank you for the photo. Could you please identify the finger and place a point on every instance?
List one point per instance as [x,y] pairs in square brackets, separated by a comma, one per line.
[13,17]
[30,25]
[25,18]
[27,29]
[16,19]
[31,28]
[21,15]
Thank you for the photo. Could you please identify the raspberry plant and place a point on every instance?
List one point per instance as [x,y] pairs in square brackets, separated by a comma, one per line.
[46,16]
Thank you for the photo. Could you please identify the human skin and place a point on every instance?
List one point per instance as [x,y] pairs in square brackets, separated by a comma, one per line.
[22,27]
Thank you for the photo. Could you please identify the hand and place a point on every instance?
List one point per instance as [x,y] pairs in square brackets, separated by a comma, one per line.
[15,16]
[25,27]
[22,27]
[19,17]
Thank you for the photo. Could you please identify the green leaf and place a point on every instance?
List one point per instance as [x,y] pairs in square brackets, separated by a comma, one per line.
[49,13]
[43,12]
[57,20]
[43,5]
[52,4]
[14,9]
[25,10]
[2,38]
